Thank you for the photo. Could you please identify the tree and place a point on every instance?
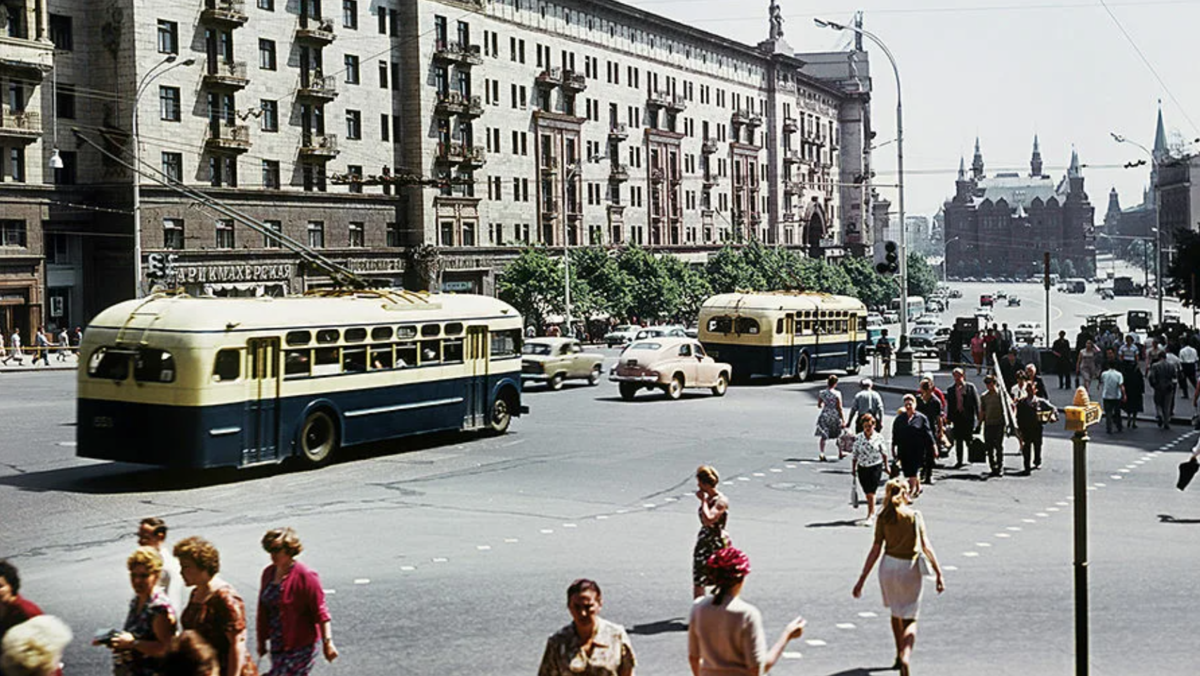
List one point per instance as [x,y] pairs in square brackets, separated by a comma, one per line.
[692,284]
[921,279]
[869,286]
[606,285]
[653,294]
[1183,275]
[817,274]
[727,271]
[533,284]
[1068,268]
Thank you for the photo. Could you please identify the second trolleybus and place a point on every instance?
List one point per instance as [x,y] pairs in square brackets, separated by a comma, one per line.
[177,381]
[785,334]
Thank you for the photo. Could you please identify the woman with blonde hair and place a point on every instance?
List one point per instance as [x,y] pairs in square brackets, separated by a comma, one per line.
[34,647]
[901,539]
[291,608]
[714,512]
[150,622]
[215,610]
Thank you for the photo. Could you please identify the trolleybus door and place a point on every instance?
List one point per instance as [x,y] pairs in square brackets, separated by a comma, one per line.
[262,401]
[476,412]
[784,345]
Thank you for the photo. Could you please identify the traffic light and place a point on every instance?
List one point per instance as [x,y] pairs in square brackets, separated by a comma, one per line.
[887,258]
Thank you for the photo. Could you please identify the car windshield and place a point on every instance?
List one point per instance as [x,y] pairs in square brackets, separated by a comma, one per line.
[646,346]
[540,349]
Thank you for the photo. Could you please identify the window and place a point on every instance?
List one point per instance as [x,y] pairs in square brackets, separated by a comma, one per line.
[61,32]
[381,14]
[353,124]
[66,175]
[270,174]
[172,166]
[393,235]
[355,174]
[228,365]
[351,67]
[12,232]
[383,75]
[168,104]
[64,101]
[350,14]
[222,170]
[506,344]
[273,243]
[384,126]
[266,54]
[16,164]
[268,5]
[316,235]
[173,233]
[153,366]
[168,37]
[298,337]
[356,235]
[446,233]
[225,234]
[109,364]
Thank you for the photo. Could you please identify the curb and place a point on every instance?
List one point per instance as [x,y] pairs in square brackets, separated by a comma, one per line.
[36,369]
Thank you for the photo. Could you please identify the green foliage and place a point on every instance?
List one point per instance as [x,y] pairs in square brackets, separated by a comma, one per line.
[533,284]
[921,279]
[1183,275]
[869,286]
[654,294]
[1068,269]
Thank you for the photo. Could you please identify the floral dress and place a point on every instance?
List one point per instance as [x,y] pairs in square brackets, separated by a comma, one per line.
[829,423]
[221,614]
[709,541]
[295,662]
[140,623]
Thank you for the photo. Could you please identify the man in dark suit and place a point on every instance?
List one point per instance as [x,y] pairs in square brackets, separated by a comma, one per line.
[1009,365]
[962,412]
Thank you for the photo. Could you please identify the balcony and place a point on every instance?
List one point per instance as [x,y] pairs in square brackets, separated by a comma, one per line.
[25,126]
[28,58]
[793,187]
[619,173]
[791,157]
[618,132]
[228,137]
[708,147]
[658,100]
[226,74]
[454,103]
[710,180]
[319,31]
[454,153]
[474,157]
[656,175]
[747,118]
[676,103]
[319,146]
[318,88]
[453,52]
[224,12]
[790,125]
[573,81]
[549,164]
[551,77]
[549,208]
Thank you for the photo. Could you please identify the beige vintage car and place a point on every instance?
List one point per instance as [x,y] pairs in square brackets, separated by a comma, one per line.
[554,360]
[669,364]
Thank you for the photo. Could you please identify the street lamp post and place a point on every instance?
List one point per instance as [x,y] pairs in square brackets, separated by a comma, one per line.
[1154,162]
[904,354]
[149,77]
[946,258]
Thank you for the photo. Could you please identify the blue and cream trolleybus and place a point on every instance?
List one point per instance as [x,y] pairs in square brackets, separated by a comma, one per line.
[785,334]
[179,381]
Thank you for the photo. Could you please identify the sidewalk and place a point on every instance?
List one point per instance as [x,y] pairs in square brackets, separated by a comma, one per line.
[27,365]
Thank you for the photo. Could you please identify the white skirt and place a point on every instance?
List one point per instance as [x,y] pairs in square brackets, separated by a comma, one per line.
[900,581]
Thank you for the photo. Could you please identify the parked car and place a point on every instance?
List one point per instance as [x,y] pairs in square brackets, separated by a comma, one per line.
[986,300]
[669,364]
[1014,301]
[621,334]
[1000,293]
[1028,330]
[890,317]
[555,360]
[929,337]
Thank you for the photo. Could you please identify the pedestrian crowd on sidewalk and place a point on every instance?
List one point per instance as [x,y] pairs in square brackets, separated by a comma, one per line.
[166,634]
[63,345]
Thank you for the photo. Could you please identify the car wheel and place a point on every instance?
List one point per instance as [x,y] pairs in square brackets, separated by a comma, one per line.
[318,438]
[628,391]
[674,389]
[500,416]
[803,368]
[721,386]
[595,375]
[556,381]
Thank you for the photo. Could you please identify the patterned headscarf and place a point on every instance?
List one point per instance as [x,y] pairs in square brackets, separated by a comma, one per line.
[727,567]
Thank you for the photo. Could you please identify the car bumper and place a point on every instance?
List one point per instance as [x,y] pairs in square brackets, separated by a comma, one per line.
[644,380]
[537,377]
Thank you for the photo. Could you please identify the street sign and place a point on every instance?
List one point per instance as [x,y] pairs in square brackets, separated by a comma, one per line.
[1083,414]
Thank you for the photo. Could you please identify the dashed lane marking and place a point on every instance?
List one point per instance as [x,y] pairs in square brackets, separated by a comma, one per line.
[1015,529]
[983,544]
[791,655]
[776,470]
[408,568]
[569,525]
[868,613]
[670,499]
[440,559]
[329,591]
[483,548]
[1124,470]
[790,466]
[511,541]
[1116,477]
[816,642]
[1002,535]
[649,505]
[1100,485]
[758,474]
[1028,520]
[970,555]
[949,568]
[1062,504]
[1092,488]
[743,478]
[845,625]
[1051,509]
[601,517]
[1041,514]
[362,580]
[546,531]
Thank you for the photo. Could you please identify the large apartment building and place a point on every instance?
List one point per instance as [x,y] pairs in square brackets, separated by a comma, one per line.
[412,141]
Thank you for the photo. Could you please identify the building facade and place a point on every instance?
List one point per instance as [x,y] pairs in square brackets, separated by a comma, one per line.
[1000,225]
[420,143]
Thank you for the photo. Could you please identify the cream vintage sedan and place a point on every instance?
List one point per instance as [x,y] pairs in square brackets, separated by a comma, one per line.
[669,364]
[554,360]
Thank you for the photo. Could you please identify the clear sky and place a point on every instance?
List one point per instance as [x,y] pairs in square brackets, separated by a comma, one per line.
[1002,70]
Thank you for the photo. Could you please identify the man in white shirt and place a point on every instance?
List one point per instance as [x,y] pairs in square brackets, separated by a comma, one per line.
[15,352]
[1187,365]
[152,532]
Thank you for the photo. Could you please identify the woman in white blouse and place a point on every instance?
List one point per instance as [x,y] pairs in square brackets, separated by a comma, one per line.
[867,460]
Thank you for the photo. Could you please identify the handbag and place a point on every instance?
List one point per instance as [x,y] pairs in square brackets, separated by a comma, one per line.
[854,500]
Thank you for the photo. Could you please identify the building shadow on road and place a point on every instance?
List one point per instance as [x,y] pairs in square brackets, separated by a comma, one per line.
[1167,518]
[965,476]
[862,671]
[844,523]
[673,625]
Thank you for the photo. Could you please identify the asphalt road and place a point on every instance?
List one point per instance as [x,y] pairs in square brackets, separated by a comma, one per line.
[451,554]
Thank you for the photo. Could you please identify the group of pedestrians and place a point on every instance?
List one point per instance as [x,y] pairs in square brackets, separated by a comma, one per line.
[165,635]
[63,345]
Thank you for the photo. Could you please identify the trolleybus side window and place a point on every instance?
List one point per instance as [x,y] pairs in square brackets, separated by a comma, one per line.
[228,365]
[326,360]
[506,344]
[431,331]
[452,350]
[356,335]
[779,326]
[151,365]
[381,357]
[327,336]
[746,325]
[109,364]
[406,332]
[406,355]
[354,359]
[431,352]
[720,325]
[298,337]
[381,333]
[453,329]
[296,363]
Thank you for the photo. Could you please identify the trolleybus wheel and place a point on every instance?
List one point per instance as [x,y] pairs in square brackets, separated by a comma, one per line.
[500,416]
[722,385]
[803,368]
[674,389]
[318,438]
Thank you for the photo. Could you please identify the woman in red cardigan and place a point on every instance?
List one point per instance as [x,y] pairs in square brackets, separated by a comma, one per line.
[291,609]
